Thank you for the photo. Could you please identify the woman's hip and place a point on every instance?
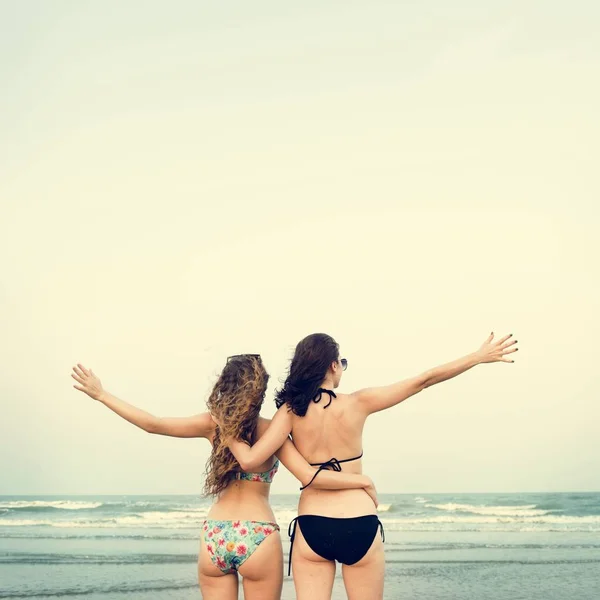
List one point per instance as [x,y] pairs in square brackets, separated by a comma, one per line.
[336,503]
[230,543]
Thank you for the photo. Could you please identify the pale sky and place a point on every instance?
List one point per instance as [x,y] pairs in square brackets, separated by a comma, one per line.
[186,180]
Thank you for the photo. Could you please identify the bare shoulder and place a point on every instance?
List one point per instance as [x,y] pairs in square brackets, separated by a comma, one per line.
[349,409]
[351,400]
[207,424]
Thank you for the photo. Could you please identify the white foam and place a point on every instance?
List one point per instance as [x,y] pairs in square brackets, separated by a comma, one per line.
[450,517]
[63,504]
[491,519]
[525,510]
[151,519]
[167,519]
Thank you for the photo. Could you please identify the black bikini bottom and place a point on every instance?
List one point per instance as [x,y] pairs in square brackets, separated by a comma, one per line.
[346,540]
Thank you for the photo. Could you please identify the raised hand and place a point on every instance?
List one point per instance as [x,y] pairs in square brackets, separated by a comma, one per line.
[88,382]
[492,351]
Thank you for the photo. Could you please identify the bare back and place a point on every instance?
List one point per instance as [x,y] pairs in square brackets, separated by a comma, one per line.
[326,433]
[246,500]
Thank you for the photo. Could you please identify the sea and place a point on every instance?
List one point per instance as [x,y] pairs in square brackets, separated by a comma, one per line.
[529,546]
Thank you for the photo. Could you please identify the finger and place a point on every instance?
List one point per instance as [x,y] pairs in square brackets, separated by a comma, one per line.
[79,371]
[77,387]
[77,378]
[506,337]
[83,368]
[509,351]
[508,344]
[507,360]
[490,338]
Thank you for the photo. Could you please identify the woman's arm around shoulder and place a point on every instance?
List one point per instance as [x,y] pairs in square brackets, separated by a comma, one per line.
[272,437]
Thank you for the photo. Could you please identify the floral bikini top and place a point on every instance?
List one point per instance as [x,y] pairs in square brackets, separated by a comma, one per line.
[266,477]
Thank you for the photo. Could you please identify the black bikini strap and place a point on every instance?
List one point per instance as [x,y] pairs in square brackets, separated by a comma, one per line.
[292,536]
[320,393]
[332,464]
[382,531]
[338,462]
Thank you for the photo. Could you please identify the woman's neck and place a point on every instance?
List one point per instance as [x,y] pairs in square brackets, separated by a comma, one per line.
[327,383]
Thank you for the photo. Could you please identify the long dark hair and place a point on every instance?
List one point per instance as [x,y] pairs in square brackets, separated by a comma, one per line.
[236,399]
[312,357]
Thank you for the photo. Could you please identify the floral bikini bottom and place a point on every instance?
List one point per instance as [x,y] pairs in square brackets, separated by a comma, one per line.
[230,543]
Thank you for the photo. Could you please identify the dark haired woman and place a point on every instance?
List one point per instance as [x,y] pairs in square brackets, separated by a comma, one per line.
[240,533]
[340,525]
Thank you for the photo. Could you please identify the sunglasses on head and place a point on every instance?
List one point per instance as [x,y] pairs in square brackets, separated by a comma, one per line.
[243,356]
[344,362]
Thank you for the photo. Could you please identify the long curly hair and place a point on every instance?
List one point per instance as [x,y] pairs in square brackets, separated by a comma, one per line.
[235,401]
[312,357]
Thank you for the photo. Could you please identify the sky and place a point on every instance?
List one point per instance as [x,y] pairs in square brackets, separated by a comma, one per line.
[186,180]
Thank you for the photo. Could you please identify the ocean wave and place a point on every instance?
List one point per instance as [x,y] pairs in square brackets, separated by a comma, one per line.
[499,524]
[490,519]
[407,546]
[95,536]
[116,508]
[151,586]
[16,558]
[193,519]
[104,524]
[172,519]
[525,510]
[168,516]
[49,504]
[574,561]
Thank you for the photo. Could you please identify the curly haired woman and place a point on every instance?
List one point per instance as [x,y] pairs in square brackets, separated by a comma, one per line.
[340,525]
[240,534]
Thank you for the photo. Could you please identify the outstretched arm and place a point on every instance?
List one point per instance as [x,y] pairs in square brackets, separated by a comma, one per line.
[268,444]
[379,398]
[200,425]
[296,464]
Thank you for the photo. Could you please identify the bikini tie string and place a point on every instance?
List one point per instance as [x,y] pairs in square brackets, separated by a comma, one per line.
[292,536]
[332,463]
[320,393]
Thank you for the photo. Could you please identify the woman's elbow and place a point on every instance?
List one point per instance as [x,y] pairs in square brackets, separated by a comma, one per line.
[306,477]
[152,426]
[305,481]
[246,464]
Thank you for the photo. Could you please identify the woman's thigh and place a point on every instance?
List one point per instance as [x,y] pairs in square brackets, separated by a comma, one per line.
[214,584]
[313,575]
[364,579]
[263,570]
